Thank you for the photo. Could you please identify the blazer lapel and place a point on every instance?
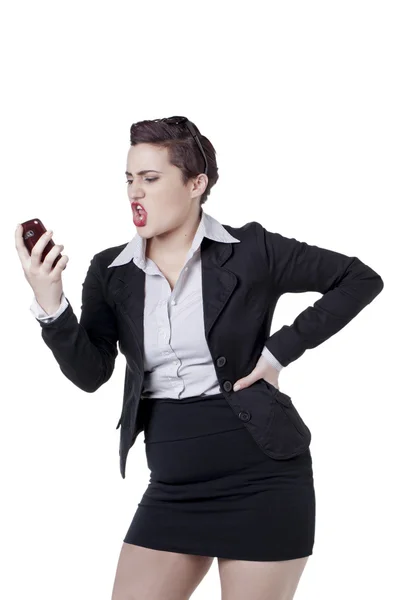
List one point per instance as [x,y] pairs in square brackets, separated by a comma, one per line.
[218,284]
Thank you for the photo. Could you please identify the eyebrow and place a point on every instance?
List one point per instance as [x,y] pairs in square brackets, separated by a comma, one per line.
[143,172]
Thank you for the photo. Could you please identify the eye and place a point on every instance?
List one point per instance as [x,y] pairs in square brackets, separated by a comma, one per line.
[146,179]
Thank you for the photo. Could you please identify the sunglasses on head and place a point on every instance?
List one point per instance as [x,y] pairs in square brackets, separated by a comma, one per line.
[189,125]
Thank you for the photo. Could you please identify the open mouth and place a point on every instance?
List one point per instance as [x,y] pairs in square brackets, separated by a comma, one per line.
[139,213]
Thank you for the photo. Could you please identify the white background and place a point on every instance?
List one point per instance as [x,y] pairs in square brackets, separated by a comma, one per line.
[301,101]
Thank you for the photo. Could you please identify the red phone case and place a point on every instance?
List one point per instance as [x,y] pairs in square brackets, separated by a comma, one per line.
[32,231]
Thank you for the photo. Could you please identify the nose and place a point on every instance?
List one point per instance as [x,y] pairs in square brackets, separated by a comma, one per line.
[134,193]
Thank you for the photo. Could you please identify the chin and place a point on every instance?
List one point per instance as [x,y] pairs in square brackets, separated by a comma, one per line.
[142,233]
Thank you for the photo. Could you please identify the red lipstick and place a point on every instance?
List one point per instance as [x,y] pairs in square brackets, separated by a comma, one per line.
[139,214]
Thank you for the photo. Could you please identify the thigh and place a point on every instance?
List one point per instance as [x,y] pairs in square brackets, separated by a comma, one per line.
[260,580]
[147,574]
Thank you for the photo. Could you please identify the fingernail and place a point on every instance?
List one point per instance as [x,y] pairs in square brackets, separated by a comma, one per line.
[236,387]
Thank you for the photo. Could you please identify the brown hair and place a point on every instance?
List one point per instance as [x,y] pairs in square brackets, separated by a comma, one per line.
[183,152]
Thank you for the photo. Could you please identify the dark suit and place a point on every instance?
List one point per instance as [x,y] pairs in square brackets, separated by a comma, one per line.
[241,286]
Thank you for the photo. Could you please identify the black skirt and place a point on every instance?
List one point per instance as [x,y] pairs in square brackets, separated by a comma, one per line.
[214,492]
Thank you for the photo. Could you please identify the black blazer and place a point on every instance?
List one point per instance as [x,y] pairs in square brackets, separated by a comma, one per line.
[241,284]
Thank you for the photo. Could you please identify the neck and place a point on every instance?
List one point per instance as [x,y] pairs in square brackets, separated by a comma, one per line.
[175,243]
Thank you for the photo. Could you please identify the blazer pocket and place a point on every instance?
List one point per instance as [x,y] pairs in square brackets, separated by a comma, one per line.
[287,417]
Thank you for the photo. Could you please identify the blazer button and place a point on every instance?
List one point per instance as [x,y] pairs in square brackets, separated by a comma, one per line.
[227,386]
[244,415]
[221,361]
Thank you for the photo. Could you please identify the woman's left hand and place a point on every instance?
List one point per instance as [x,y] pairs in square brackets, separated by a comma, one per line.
[262,370]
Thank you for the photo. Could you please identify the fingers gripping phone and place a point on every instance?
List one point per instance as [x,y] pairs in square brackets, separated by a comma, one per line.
[32,231]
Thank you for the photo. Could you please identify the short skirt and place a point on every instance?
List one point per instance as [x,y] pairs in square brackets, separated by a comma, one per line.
[214,492]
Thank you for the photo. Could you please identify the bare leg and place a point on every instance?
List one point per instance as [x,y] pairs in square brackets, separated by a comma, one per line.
[260,580]
[147,574]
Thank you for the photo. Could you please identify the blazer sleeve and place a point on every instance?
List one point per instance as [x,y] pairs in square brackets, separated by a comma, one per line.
[347,285]
[85,350]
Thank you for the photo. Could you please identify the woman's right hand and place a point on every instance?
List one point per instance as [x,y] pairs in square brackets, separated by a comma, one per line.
[44,280]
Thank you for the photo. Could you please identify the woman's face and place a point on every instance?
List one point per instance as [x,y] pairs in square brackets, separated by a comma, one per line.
[160,191]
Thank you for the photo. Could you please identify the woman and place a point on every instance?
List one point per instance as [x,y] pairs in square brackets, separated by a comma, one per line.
[191,303]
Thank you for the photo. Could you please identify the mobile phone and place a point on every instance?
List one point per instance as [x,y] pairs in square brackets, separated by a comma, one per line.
[32,231]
